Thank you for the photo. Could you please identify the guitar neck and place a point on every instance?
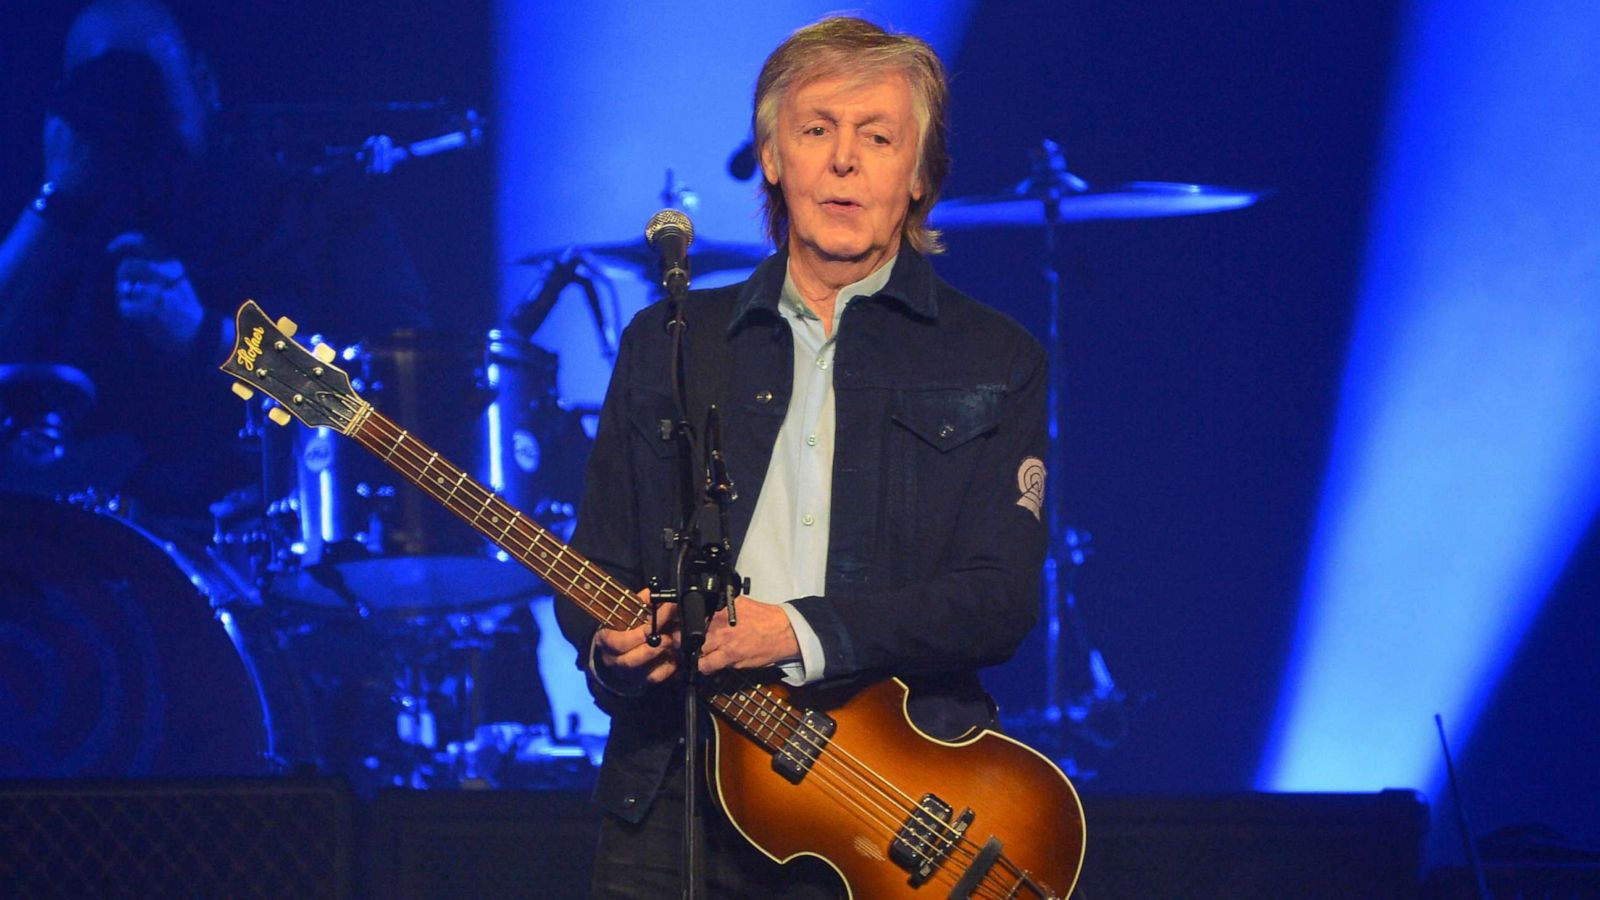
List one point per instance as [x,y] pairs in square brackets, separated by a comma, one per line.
[530,543]
[768,719]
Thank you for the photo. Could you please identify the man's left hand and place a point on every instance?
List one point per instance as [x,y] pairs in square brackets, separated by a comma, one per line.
[762,638]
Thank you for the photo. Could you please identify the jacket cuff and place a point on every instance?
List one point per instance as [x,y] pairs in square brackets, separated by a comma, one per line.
[812,666]
[838,652]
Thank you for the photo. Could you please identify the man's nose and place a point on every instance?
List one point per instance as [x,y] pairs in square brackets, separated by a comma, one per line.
[844,154]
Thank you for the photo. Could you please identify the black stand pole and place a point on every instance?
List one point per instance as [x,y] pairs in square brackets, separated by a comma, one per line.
[703,579]
[1051,181]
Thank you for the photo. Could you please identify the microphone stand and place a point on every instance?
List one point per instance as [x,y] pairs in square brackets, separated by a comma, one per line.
[703,578]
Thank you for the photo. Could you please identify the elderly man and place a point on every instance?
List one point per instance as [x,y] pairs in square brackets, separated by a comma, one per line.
[885,430]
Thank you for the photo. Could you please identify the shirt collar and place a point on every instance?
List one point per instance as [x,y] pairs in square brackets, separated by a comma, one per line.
[789,297]
[911,282]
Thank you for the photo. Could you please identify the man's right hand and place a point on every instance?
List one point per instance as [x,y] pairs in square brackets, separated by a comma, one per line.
[627,664]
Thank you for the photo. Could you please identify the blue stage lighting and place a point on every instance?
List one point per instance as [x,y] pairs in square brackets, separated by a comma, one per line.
[1465,463]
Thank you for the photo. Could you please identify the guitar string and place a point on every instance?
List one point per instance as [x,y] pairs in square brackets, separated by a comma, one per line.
[927,848]
[887,828]
[951,847]
[424,457]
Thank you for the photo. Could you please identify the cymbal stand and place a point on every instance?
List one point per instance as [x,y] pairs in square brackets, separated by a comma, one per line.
[1068,547]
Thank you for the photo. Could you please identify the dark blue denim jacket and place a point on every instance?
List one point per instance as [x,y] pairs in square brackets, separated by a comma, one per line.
[936,545]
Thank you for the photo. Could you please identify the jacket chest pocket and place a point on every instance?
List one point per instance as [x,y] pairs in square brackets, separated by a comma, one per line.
[946,419]
[936,443]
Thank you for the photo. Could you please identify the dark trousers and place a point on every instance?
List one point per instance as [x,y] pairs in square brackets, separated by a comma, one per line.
[641,862]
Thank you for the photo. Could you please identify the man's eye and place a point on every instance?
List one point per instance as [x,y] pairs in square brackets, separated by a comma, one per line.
[880,139]
[816,131]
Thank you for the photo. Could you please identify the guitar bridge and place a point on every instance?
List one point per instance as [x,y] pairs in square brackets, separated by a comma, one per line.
[926,838]
[804,744]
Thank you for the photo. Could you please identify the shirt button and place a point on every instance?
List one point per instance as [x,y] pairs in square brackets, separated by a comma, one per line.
[763,396]
[811,440]
[946,430]
[822,362]
[808,519]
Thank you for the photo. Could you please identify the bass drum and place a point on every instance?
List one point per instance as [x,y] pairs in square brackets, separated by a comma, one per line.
[115,657]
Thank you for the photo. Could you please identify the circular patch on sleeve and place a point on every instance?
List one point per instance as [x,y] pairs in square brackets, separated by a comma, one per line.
[1030,481]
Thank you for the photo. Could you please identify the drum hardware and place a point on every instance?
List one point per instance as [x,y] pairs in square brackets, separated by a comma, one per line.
[335,533]
[468,708]
[634,258]
[316,138]
[1051,195]
[403,635]
[1087,709]
[39,405]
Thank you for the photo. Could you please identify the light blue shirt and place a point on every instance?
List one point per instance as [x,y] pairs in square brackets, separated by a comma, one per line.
[785,552]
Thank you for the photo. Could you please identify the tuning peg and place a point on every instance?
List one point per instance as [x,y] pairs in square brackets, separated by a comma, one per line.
[323,353]
[287,326]
[243,392]
[279,415]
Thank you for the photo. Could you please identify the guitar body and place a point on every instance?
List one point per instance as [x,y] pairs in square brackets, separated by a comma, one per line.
[1017,795]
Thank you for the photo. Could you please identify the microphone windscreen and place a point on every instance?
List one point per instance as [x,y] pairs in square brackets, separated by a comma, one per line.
[669,218]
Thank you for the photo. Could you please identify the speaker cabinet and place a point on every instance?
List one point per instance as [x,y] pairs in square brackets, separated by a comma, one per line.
[1279,846]
[481,844]
[129,838]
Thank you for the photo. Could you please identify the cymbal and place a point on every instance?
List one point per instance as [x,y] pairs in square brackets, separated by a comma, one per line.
[636,258]
[1075,201]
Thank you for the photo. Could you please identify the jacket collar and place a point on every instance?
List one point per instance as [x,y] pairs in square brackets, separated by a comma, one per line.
[912,283]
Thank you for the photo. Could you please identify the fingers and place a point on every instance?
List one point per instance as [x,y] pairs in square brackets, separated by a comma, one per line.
[628,655]
[763,637]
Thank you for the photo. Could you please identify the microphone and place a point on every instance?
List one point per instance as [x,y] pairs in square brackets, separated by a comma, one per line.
[670,233]
[380,155]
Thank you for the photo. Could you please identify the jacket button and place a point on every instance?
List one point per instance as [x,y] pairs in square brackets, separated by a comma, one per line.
[946,430]
[763,396]
[630,802]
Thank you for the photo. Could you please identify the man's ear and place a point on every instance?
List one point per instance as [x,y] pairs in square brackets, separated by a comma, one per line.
[771,168]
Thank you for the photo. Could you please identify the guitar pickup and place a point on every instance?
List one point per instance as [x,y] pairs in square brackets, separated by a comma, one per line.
[926,838]
[804,744]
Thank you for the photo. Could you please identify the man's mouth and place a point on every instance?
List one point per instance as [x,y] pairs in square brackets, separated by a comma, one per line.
[840,203]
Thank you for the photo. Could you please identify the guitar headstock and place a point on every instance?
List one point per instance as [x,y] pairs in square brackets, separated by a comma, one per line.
[266,358]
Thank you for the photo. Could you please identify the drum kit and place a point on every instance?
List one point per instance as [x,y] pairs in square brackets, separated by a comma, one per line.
[337,621]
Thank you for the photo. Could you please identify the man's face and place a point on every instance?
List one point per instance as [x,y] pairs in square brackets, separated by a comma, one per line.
[843,154]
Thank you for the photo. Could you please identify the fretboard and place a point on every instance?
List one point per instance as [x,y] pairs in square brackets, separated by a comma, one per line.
[765,717]
[530,543]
